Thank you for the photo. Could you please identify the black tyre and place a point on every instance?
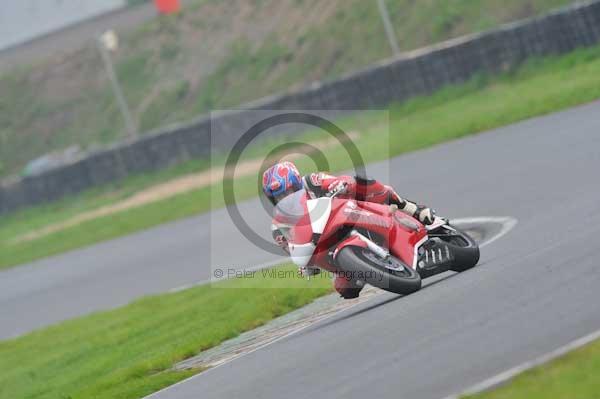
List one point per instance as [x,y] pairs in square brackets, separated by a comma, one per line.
[465,249]
[388,274]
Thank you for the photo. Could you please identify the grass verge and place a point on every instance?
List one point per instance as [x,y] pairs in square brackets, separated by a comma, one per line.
[573,376]
[128,352]
[539,87]
[213,55]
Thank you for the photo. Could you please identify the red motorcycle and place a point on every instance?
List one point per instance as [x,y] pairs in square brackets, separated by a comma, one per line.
[371,243]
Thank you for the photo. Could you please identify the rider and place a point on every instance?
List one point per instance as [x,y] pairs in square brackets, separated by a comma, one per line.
[283,179]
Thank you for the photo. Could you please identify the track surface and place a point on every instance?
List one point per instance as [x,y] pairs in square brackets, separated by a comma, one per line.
[536,288]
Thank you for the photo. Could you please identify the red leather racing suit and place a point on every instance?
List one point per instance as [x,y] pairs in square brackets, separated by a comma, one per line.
[320,184]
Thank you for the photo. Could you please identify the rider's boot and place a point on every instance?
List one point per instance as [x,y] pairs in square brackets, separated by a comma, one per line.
[423,214]
[347,287]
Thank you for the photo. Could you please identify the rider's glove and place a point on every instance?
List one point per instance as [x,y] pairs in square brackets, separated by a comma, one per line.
[307,271]
[425,215]
[280,239]
[337,187]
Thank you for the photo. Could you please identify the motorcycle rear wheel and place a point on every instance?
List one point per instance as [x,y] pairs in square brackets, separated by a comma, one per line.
[388,274]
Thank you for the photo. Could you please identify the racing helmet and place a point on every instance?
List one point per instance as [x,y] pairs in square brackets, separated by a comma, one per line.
[280,180]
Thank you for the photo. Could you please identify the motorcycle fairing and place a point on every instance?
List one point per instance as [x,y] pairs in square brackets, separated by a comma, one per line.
[401,234]
[316,224]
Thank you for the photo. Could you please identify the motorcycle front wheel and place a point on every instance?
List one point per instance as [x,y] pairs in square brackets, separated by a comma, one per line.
[389,274]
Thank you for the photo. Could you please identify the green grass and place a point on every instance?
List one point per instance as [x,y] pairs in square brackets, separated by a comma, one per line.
[168,73]
[539,87]
[573,376]
[352,38]
[127,352]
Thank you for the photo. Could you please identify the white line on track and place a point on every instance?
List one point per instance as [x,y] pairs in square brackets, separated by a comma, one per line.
[505,376]
[507,223]
[265,265]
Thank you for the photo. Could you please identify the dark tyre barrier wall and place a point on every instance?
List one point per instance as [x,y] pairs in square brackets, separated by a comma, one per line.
[419,72]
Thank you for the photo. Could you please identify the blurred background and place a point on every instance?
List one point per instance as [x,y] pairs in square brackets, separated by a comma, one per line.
[26,20]
[112,214]
[200,55]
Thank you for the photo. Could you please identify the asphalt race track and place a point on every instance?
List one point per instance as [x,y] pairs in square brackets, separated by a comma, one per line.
[537,288]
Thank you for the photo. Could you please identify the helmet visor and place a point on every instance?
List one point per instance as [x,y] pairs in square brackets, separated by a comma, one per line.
[280,196]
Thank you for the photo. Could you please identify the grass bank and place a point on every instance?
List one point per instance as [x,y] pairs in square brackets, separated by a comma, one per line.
[573,376]
[128,352]
[539,87]
[218,54]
